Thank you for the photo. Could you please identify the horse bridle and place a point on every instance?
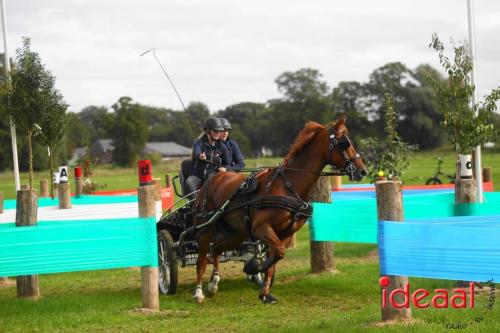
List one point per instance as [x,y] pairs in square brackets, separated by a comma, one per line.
[342,144]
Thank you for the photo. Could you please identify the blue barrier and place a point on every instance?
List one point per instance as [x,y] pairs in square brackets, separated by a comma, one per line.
[457,248]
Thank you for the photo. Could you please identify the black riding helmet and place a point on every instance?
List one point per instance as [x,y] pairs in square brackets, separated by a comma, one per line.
[226,124]
[213,124]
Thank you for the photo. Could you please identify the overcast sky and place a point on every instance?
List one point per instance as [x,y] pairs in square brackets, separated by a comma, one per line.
[222,52]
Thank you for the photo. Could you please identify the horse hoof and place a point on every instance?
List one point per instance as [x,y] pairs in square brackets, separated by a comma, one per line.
[198,296]
[198,299]
[268,299]
[212,289]
[252,266]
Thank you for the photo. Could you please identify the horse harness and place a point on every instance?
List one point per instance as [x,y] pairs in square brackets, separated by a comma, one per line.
[243,197]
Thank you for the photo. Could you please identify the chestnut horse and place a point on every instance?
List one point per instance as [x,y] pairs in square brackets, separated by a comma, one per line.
[315,147]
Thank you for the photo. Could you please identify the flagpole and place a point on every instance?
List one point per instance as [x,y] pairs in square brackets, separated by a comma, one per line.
[7,75]
[472,44]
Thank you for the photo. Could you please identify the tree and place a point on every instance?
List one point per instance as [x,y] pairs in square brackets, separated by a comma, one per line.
[29,95]
[5,139]
[100,122]
[466,130]
[53,126]
[199,113]
[130,131]
[347,101]
[306,99]
[248,125]
[390,154]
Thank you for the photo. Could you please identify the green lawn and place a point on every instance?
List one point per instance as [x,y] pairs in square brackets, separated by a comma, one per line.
[422,167]
[345,301]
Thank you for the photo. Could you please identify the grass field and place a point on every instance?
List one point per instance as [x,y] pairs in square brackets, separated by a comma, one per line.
[422,167]
[345,301]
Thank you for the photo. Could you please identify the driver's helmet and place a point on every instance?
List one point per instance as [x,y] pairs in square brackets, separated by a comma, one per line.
[226,124]
[214,124]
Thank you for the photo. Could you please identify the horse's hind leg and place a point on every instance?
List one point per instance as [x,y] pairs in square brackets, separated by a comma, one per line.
[217,249]
[201,264]
[213,285]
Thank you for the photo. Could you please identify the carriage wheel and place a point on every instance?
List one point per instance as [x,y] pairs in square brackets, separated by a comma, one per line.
[433,181]
[167,263]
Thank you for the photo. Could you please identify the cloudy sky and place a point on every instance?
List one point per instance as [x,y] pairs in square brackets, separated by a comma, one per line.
[222,52]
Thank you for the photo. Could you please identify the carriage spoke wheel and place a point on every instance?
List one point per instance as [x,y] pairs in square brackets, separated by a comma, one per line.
[167,263]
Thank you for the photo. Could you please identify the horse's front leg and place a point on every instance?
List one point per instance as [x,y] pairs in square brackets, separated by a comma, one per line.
[265,295]
[277,251]
[213,285]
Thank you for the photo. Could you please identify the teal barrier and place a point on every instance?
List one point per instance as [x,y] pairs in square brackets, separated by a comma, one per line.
[356,220]
[83,200]
[69,246]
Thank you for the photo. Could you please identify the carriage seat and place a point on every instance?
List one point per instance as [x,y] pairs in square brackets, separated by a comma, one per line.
[184,174]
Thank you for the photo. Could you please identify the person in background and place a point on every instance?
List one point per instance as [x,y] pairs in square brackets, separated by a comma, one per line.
[209,155]
[236,159]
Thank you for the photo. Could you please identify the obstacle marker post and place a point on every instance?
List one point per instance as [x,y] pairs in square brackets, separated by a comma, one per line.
[63,189]
[147,208]
[390,208]
[78,181]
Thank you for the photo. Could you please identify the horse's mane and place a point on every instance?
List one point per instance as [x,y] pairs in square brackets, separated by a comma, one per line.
[305,136]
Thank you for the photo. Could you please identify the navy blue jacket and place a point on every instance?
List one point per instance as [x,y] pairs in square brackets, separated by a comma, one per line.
[217,154]
[235,156]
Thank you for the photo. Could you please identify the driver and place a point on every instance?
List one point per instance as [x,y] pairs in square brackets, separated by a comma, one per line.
[209,155]
[235,156]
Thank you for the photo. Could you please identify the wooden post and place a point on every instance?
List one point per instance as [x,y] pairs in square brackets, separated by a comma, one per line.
[168,181]
[157,198]
[322,259]
[78,188]
[44,188]
[149,275]
[78,182]
[1,202]
[64,192]
[487,175]
[465,191]
[336,183]
[390,208]
[26,212]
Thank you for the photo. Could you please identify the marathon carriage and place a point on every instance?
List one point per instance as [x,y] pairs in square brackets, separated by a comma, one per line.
[177,245]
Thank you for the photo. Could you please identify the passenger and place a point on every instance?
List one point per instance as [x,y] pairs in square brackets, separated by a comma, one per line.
[209,155]
[236,162]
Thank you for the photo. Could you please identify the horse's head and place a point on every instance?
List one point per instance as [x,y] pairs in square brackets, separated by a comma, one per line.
[341,154]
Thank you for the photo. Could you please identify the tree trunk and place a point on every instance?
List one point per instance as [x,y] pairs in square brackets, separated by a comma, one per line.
[51,173]
[30,159]
[322,259]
